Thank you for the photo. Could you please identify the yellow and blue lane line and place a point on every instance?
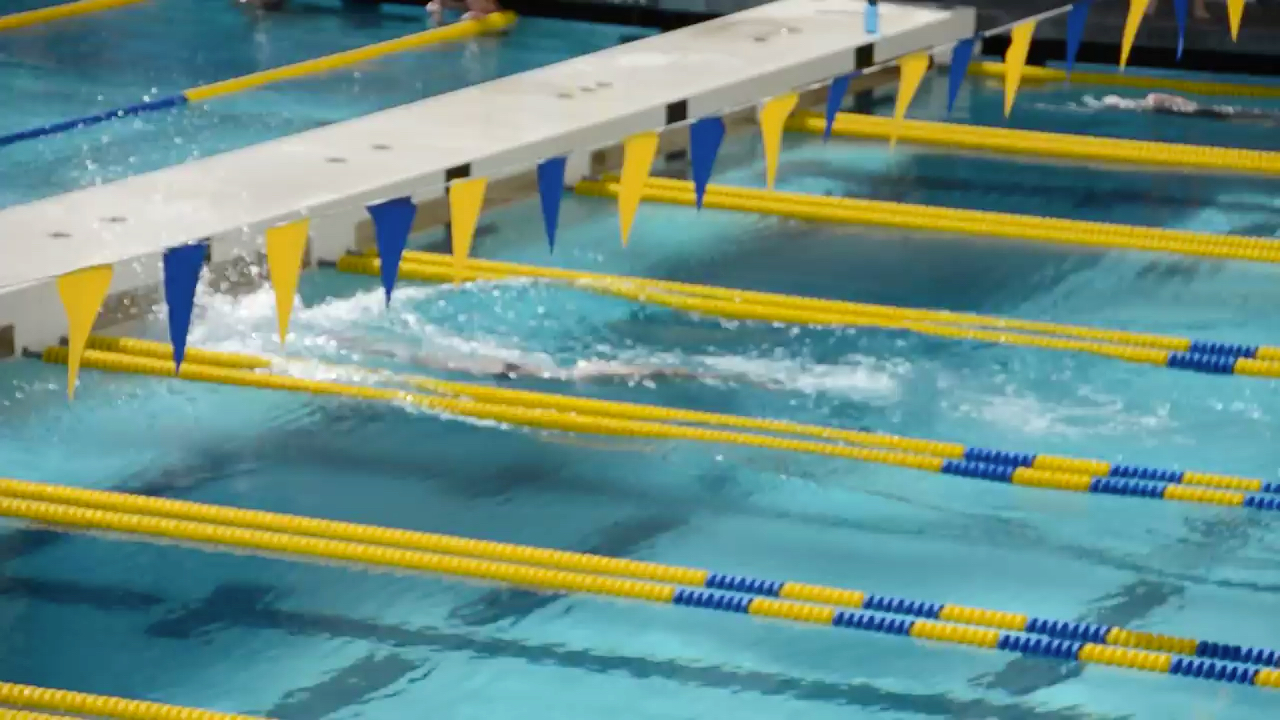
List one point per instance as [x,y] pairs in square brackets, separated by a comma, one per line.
[1150,483]
[565,571]
[658,585]
[165,103]
[1107,477]
[1230,359]
[1223,358]
[1077,633]
[1064,640]
[448,33]
[1081,645]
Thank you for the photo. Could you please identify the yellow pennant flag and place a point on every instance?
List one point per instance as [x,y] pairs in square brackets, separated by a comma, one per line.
[83,292]
[1015,58]
[773,120]
[1235,12]
[638,152]
[911,70]
[1137,11]
[466,200]
[286,248]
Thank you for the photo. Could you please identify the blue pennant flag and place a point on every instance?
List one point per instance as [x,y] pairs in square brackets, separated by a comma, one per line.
[835,95]
[550,191]
[961,55]
[705,136]
[392,223]
[1075,30]
[182,266]
[1180,12]
[872,15]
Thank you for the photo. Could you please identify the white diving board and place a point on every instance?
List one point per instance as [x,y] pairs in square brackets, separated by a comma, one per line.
[495,129]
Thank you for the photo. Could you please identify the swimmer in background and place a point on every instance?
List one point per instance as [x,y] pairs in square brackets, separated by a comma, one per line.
[1176,105]
[475,9]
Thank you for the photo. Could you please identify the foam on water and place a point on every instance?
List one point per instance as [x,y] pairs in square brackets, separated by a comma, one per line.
[856,377]
[362,327]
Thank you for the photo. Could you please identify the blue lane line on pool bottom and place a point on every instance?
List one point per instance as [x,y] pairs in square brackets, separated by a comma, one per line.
[164,103]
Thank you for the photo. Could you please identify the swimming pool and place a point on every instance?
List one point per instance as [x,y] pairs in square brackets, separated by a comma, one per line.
[92,64]
[295,641]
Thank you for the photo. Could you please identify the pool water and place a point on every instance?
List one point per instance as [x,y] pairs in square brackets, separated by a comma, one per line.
[295,640]
[1062,107]
[116,58]
[1236,204]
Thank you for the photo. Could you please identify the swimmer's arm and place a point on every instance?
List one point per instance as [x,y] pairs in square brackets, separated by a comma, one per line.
[481,366]
[426,361]
[604,370]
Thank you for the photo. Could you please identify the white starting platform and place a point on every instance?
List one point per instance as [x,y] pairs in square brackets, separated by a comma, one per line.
[496,129]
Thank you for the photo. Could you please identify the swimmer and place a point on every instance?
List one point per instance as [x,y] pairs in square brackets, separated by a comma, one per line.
[503,369]
[476,9]
[1175,105]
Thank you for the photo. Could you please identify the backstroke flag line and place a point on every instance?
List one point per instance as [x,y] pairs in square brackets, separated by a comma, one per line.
[1235,13]
[1076,20]
[182,266]
[961,56]
[392,223]
[1180,14]
[1137,10]
[1015,58]
[911,70]
[466,200]
[773,121]
[638,152]
[286,248]
[82,292]
[550,192]
[835,96]
[705,136]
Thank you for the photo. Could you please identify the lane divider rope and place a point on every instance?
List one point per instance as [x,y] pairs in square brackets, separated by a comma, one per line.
[563,581]
[1033,74]
[453,32]
[1028,223]
[30,697]
[956,221]
[7,714]
[625,568]
[39,16]
[545,419]
[1106,335]
[1040,144]
[1204,364]
[637,411]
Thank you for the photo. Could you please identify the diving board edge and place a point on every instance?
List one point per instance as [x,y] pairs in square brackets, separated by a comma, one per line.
[497,129]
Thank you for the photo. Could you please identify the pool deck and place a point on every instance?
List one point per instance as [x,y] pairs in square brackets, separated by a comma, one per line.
[496,129]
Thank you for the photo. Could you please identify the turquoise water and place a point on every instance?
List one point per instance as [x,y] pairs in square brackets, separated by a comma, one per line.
[1199,201]
[116,58]
[292,640]
[1065,108]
